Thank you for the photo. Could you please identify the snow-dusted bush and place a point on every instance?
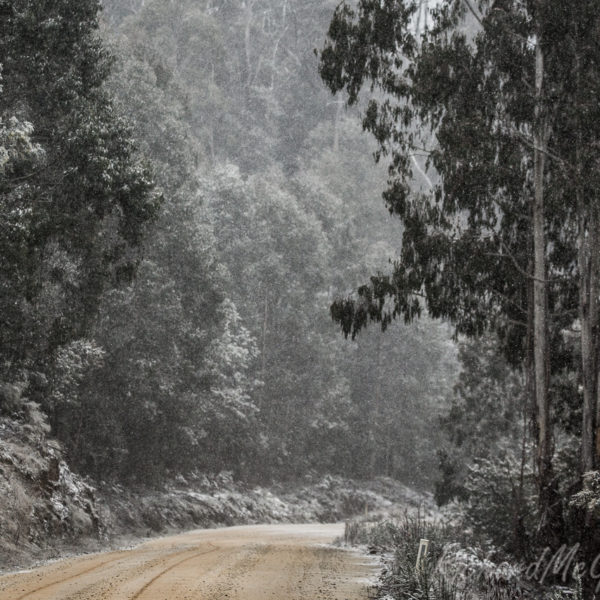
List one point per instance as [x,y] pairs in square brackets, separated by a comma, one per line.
[16,146]
[451,570]
[402,536]
[501,504]
[473,576]
[588,499]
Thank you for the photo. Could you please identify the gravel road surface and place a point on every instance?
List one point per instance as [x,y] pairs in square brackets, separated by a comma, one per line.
[262,562]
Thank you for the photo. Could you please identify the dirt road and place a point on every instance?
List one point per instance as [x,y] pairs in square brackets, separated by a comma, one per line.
[263,562]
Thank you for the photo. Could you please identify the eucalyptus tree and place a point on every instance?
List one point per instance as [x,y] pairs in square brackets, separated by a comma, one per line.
[493,244]
[574,155]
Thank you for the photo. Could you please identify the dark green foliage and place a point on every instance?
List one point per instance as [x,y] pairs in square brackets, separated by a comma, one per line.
[453,101]
[85,204]
[450,483]
[501,506]
[488,403]
[486,460]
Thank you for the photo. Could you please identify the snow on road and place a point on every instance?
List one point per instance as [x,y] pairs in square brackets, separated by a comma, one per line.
[259,562]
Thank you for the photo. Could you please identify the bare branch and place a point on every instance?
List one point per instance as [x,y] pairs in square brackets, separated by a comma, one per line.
[474,12]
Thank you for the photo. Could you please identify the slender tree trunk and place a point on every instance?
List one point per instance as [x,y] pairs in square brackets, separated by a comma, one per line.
[588,316]
[588,305]
[530,366]
[540,303]
[336,126]
[263,351]
[594,299]
[422,17]
[374,433]
[247,27]
[519,531]
[593,334]
[246,67]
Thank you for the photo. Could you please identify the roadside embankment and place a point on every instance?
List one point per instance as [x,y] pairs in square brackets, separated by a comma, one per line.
[47,511]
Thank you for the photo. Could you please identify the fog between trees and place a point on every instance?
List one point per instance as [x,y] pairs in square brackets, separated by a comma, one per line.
[183,201]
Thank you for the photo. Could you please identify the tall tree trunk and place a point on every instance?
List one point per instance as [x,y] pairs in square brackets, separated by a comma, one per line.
[588,235]
[422,17]
[247,7]
[588,315]
[519,531]
[540,303]
[594,294]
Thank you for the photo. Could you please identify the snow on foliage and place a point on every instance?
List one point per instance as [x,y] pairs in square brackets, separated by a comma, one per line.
[209,501]
[589,497]
[16,146]
[230,357]
[40,498]
[476,577]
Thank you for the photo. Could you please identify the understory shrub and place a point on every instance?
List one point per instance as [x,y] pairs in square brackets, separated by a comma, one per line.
[501,505]
[451,570]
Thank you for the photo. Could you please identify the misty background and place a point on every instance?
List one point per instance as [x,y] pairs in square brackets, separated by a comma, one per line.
[186,329]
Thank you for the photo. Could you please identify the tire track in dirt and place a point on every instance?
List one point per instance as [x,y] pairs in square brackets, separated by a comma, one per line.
[132,580]
[121,560]
[170,568]
[67,579]
[227,577]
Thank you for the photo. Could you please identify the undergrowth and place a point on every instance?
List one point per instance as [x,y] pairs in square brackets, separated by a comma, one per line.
[450,571]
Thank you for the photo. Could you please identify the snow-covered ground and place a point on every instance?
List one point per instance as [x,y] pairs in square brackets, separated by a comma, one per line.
[217,501]
[47,511]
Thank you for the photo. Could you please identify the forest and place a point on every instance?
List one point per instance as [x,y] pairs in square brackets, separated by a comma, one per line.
[285,240]
[176,223]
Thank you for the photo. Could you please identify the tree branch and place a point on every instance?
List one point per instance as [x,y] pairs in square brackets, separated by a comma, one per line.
[473,12]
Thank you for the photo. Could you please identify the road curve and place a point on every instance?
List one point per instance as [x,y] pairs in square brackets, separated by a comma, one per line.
[258,562]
